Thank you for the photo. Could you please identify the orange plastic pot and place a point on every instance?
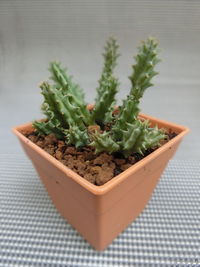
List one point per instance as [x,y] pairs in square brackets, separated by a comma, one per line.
[100,213]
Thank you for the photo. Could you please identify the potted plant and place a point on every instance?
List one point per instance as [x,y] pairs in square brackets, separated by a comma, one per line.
[100,164]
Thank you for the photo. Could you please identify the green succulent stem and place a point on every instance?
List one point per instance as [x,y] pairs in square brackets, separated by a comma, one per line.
[143,70]
[108,84]
[103,109]
[103,142]
[62,80]
[63,115]
[69,119]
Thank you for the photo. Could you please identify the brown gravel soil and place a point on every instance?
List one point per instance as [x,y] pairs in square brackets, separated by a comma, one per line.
[96,168]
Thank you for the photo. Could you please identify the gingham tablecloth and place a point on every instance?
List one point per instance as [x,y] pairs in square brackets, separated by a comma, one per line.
[32,232]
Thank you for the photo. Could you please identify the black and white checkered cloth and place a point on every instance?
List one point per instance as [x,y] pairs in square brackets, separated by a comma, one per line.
[32,233]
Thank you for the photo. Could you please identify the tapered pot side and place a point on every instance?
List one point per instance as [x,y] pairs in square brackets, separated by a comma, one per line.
[100,213]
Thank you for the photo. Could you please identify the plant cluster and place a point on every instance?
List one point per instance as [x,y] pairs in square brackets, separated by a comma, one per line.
[69,119]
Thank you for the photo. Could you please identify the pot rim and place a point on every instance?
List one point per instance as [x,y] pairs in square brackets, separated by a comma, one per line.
[115,181]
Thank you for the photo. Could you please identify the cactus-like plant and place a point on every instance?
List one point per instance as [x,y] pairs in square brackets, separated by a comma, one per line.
[70,120]
[108,85]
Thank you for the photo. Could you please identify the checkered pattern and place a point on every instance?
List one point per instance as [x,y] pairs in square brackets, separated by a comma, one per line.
[32,233]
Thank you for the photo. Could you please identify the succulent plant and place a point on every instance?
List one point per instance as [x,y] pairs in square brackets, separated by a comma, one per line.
[108,85]
[69,119]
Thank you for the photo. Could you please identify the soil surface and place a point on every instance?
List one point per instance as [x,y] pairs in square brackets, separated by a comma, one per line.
[96,168]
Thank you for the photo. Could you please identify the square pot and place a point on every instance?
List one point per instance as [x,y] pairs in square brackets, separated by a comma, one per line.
[100,213]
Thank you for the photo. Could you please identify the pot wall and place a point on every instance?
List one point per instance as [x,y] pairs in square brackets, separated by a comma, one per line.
[100,213]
